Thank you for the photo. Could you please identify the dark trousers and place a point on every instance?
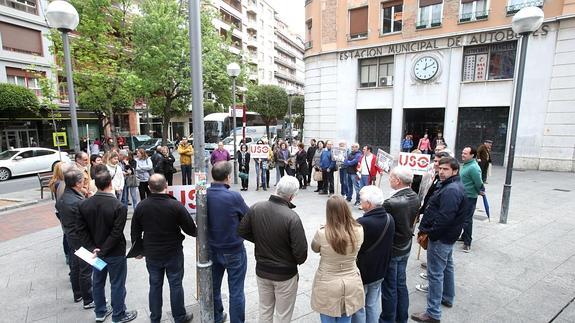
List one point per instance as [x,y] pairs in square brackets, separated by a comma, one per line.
[309,171]
[80,278]
[186,174]
[236,266]
[169,178]
[282,170]
[328,181]
[144,190]
[245,182]
[343,181]
[394,293]
[484,167]
[173,268]
[468,226]
[117,268]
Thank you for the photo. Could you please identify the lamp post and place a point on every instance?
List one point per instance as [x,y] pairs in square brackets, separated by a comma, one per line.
[291,93]
[524,23]
[233,72]
[64,17]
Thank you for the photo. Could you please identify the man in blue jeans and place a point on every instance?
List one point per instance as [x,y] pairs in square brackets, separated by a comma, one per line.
[101,223]
[403,206]
[350,164]
[375,252]
[225,211]
[442,223]
[161,218]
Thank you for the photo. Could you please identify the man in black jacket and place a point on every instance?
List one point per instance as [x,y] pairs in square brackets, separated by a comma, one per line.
[67,206]
[403,205]
[280,246]
[161,218]
[309,156]
[102,221]
[442,222]
[375,252]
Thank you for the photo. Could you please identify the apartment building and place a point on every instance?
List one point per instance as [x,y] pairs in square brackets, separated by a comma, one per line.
[377,70]
[289,65]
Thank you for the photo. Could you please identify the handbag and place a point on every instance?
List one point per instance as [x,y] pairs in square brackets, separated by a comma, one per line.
[317,176]
[423,240]
[132,181]
[243,176]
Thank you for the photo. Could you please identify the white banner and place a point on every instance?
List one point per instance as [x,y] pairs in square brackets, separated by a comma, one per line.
[259,151]
[185,194]
[419,163]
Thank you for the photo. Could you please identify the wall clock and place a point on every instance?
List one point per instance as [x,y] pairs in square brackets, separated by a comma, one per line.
[426,68]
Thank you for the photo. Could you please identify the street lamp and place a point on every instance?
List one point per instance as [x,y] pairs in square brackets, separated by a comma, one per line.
[64,17]
[524,23]
[291,92]
[233,72]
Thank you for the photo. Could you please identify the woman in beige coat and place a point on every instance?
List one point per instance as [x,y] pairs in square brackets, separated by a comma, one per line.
[337,290]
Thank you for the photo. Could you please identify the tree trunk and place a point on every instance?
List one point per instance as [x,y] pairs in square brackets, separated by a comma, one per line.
[166,122]
[268,132]
[112,126]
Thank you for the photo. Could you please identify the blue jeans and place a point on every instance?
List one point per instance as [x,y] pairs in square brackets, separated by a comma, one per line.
[468,226]
[260,177]
[133,191]
[351,185]
[186,174]
[330,319]
[343,181]
[117,268]
[236,265]
[359,184]
[173,268]
[370,313]
[440,275]
[394,295]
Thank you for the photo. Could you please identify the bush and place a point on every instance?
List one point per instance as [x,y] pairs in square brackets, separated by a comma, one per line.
[15,98]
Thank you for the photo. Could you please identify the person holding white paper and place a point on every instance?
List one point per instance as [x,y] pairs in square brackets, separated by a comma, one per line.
[101,223]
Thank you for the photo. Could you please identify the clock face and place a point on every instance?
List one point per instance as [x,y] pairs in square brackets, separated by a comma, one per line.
[426,68]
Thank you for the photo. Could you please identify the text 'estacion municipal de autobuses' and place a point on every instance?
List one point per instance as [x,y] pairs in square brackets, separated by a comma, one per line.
[439,43]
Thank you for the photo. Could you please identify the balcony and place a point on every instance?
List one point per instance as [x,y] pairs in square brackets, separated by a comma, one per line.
[252,25]
[285,76]
[513,9]
[473,16]
[285,62]
[427,24]
[237,5]
[252,7]
[252,42]
[253,76]
[28,6]
[283,49]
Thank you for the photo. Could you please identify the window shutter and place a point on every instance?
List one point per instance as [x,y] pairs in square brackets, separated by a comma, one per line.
[20,38]
[467,1]
[358,21]
[425,3]
[388,4]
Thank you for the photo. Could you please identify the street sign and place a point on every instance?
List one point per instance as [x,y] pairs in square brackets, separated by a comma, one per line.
[60,139]
[259,151]
[419,163]
[185,194]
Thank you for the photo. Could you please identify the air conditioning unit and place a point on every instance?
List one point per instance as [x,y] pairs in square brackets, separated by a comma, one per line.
[386,81]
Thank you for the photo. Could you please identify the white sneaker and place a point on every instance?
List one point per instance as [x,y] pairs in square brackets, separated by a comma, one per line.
[423,275]
[108,313]
[424,288]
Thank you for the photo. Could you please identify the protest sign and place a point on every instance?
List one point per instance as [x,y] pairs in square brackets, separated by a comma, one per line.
[419,163]
[384,160]
[259,151]
[185,194]
[338,154]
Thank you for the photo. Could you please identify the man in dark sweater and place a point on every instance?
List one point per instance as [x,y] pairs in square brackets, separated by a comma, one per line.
[280,246]
[442,222]
[403,206]
[101,222]
[375,252]
[309,156]
[161,218]
[225,211]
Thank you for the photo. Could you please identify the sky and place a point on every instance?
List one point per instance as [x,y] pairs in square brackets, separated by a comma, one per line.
[292,12]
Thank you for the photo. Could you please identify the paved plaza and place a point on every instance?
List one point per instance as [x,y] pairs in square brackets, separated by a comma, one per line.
[523,271]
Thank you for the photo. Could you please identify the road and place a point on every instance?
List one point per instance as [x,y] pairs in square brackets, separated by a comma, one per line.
[20,183]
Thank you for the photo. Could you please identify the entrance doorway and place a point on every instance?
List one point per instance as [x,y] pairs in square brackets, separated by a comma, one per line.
[18,138]
[418,122]
[374,128]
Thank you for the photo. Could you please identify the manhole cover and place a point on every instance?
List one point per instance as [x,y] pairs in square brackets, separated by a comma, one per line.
[562,190]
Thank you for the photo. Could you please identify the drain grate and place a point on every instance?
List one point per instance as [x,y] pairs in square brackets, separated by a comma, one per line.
[562,190]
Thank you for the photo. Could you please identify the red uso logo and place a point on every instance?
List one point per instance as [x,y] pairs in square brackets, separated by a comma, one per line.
[185,195]
[259,149]
[414,160]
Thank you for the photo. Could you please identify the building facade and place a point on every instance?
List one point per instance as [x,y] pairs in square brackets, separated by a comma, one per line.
[378,70]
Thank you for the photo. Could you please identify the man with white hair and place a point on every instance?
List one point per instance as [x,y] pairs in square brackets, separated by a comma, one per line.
[375,252]
[403,205]
[280,246]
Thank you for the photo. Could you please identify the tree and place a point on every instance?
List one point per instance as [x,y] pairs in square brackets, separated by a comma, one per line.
[101,57]
[297,109]
[15,99]
[270,101]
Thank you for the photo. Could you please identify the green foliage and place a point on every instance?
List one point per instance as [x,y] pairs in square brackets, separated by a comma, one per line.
[297,108]
[211,107]
[271,101]
[15,98]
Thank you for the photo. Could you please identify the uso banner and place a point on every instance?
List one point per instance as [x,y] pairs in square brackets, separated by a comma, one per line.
[259,151]
[185,194]
[419,163]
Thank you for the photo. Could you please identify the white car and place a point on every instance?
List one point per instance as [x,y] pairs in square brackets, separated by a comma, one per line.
[229,144]
[23,161]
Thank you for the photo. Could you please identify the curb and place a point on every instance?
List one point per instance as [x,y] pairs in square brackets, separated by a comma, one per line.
[18,205]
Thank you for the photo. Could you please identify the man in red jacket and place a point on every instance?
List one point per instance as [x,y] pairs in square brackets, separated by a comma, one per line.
[366,170]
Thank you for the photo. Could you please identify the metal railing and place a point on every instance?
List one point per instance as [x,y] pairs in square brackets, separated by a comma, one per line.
[512,9]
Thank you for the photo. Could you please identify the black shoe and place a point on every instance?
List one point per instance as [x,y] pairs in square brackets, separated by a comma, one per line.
[317,190]
[423,317]
[128,316]
[103,318]
[446,304]
[77,299]
[303,188]
[189,318]
[322,193]
[89,305]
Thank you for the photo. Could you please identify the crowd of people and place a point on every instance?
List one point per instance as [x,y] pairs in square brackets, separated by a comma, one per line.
[362,271]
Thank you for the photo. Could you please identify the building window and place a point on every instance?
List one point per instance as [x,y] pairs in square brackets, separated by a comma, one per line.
[358,23]
[20,39]
[472,10]
[28,6]
[489,62]
[516,5]
[308,44]
[392,13]
[24,78]
[375,72]
[429,14]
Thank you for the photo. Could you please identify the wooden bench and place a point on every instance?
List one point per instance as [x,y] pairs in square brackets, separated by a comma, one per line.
[44,179]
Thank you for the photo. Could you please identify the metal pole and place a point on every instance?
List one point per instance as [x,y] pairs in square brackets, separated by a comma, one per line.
[234,128]
[204,264]
[71,95]
[290,123]
[514,124]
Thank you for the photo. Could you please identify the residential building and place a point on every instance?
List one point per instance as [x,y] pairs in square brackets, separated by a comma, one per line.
[377,70]
[289,65]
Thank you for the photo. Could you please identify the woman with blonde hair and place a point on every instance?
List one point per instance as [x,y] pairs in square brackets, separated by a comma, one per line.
[57,186]
[337,291]
[144,168]
[117,173]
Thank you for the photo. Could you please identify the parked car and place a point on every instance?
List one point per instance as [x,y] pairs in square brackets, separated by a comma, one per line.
[229,144]
[134,142]
[24,161]
[150,145]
